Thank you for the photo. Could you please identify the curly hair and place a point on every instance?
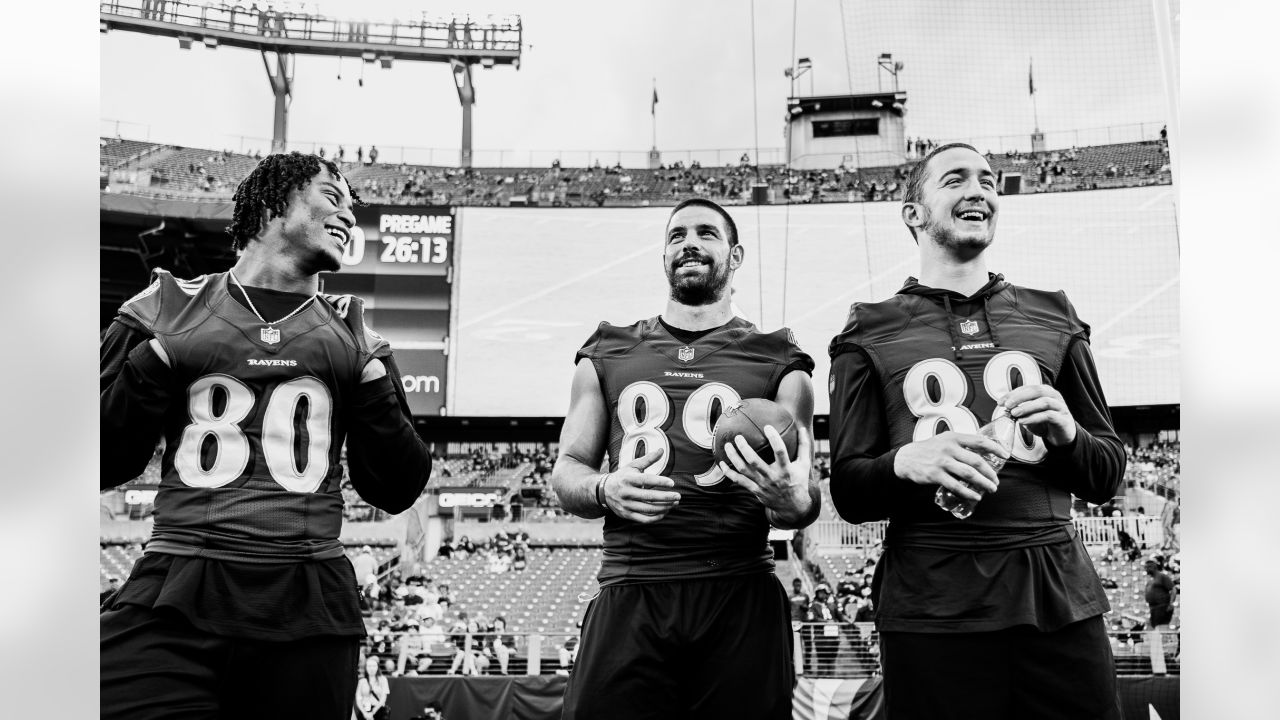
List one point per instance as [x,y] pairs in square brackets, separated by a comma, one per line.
[263,194]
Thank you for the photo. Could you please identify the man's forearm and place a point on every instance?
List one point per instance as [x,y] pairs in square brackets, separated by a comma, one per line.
[575,485]
[132,408]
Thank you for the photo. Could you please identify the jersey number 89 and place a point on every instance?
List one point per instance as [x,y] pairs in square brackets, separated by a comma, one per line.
[696,422]
[948,404]
[231,448]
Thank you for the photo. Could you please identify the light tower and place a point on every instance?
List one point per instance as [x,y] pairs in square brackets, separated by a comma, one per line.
[460,42]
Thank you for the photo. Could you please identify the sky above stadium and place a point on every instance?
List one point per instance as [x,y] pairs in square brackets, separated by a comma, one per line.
[589,69]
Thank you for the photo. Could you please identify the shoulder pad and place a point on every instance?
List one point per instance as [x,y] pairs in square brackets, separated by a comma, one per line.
[611,340]
[1050,308]
[780,346]
[869,322]
[350,309]
[163,298]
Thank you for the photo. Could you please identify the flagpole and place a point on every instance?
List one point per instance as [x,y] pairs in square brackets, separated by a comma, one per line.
[653,110]
[1035,106]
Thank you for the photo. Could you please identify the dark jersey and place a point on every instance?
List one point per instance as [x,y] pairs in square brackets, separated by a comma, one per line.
[661,392]
[253,440]
[916,365]
[275,575]
[930,388]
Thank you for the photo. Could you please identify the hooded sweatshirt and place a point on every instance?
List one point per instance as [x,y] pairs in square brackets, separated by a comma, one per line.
[929,360]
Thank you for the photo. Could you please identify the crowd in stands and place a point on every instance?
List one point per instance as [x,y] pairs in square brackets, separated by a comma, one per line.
[1155,468]
[417,627]
[1076,168]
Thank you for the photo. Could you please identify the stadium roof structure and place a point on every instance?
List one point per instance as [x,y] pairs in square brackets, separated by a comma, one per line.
[279,35]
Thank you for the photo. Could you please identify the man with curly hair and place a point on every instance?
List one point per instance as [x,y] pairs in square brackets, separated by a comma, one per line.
[244,603]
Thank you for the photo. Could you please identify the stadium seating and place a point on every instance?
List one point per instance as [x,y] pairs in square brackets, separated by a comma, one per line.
[545,597]
[193,172]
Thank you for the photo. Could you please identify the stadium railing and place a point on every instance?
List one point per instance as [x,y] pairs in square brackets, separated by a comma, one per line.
[832,650]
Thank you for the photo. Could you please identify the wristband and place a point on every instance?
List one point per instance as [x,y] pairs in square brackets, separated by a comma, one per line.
[600,491]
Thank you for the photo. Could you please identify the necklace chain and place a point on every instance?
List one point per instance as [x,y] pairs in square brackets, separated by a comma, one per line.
[248,300]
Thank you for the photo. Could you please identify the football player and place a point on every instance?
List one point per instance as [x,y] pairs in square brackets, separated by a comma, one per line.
[998,615]
[690,620]
[244,603]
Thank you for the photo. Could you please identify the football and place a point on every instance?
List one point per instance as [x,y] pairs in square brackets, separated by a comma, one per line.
[748,419]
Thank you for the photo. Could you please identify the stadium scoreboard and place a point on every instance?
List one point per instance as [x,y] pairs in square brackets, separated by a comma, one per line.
[401,262]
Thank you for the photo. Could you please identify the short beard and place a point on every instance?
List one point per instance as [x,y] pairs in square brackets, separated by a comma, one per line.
[945,237]
[697,293]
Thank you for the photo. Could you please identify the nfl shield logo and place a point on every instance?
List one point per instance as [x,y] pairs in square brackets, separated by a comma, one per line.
[969,327]
[685,354]
[270,335]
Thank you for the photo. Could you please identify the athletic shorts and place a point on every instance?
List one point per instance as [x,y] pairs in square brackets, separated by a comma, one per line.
[685,650]
[1067,674]
[155,664]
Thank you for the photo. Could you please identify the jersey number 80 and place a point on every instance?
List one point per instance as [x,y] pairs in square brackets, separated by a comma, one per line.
[231,447]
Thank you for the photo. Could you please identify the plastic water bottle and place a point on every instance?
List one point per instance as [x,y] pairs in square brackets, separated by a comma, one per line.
[1001,429]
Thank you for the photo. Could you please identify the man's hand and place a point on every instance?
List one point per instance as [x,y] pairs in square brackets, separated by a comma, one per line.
[782,487]
[1041,409]
[636,495]
[952,460]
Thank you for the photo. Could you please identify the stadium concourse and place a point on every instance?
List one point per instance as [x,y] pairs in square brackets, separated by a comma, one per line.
[486,539]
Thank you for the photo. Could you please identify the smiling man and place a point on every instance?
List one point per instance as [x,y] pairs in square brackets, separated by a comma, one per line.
[245,604]
[998,615]
[691,620]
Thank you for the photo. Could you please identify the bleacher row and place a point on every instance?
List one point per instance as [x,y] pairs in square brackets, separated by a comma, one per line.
[191,172]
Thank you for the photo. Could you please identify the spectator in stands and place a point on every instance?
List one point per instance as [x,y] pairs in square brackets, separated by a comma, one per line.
[1159,594]
[414,647]
[381,641]
[502,645]
[799,600]
[519,562]
[372,691]
[433,633]
[466,548]
[568,653]
[823,633]
[1171,522]
[847,586]
[365,565]
[466,648]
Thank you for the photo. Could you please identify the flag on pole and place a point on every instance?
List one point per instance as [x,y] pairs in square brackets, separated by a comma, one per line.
[653,108]
[1031,81]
